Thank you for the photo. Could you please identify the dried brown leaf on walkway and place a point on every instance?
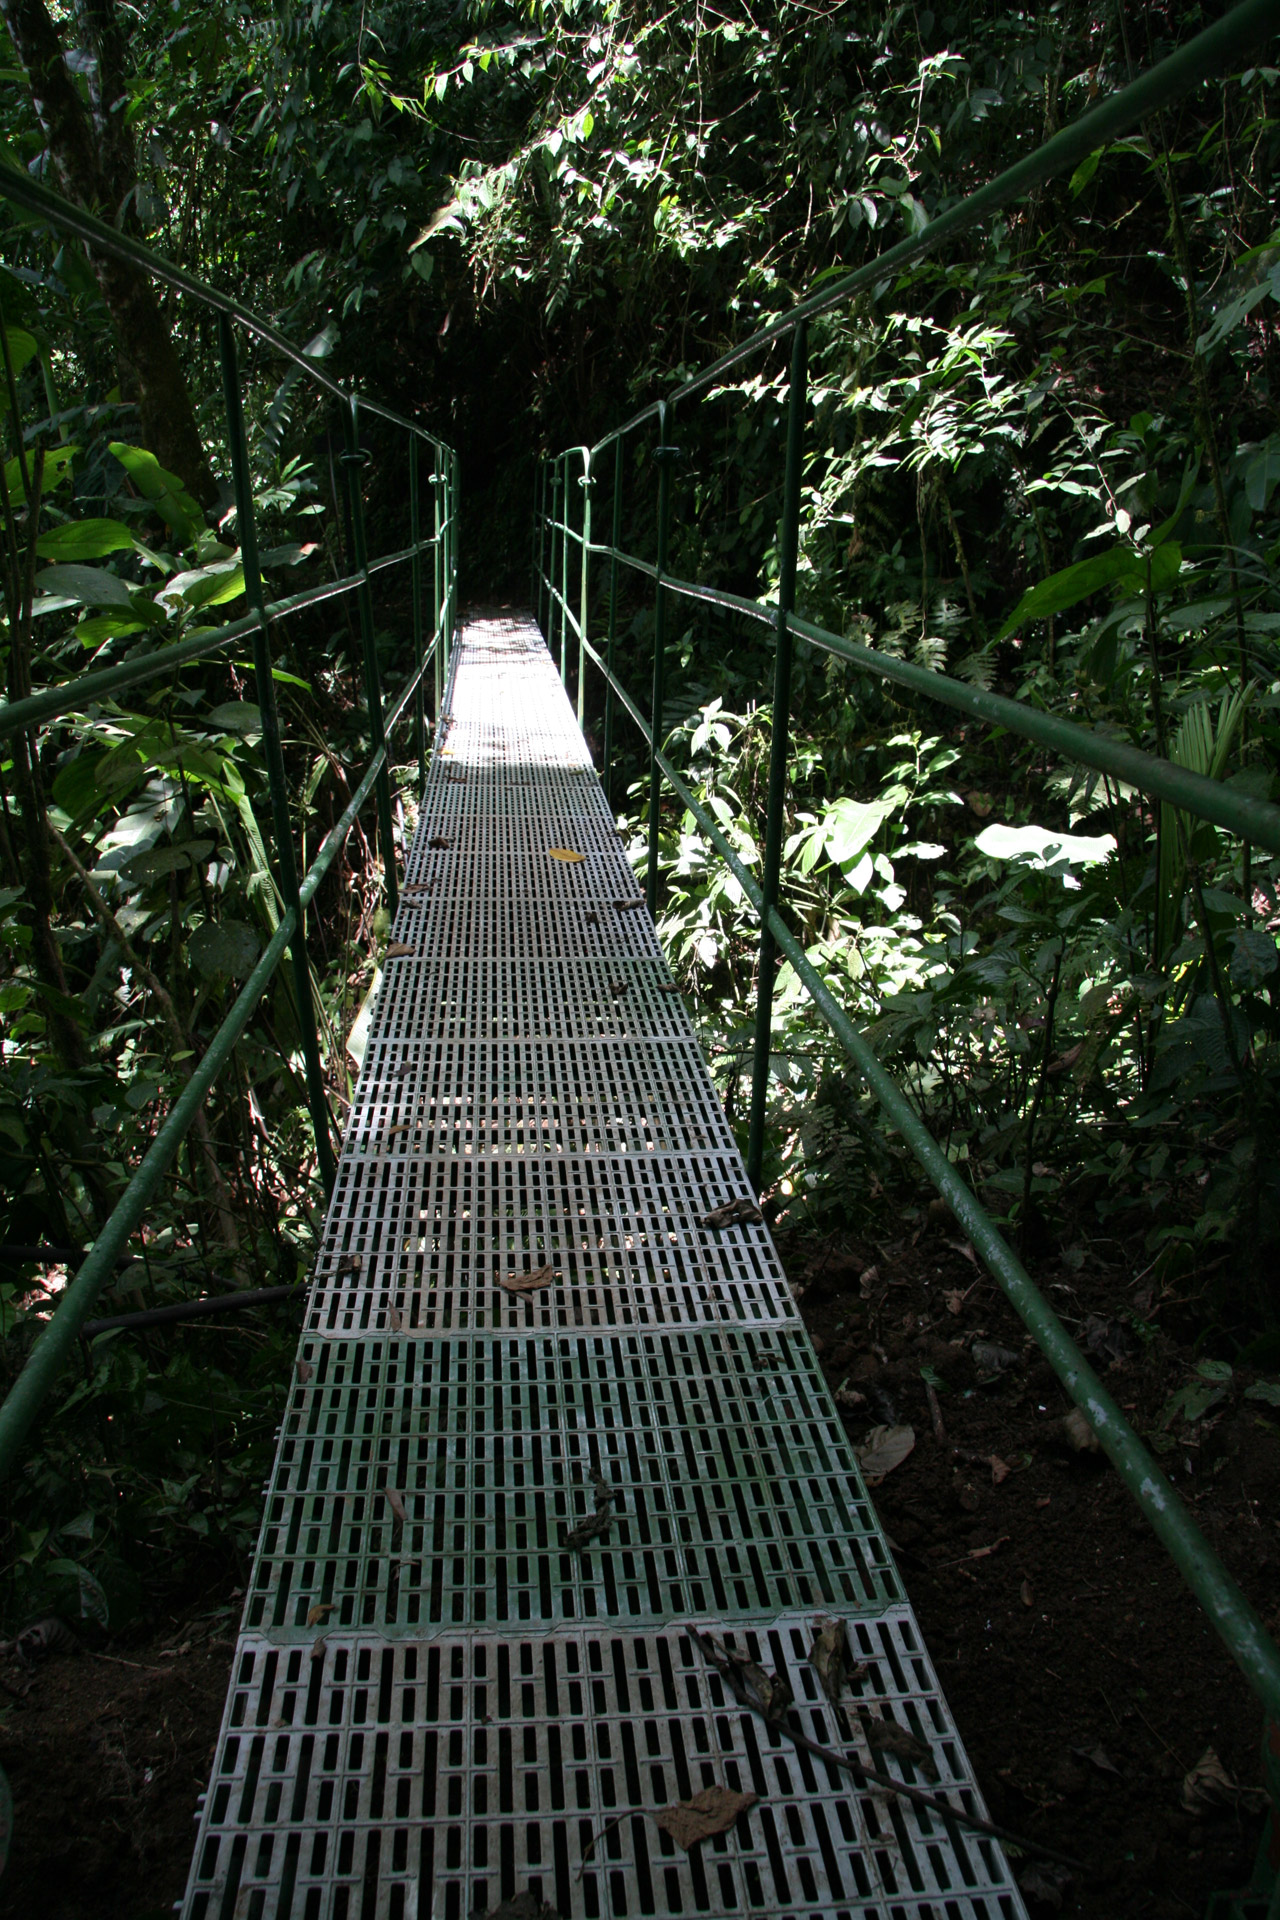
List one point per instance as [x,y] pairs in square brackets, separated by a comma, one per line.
[886,1736]
[618,987]
[830,1657]
[567,855]
[439,840]
[396,1504]
[591,919]
[398,950]
[627,906]
[349,1263]
[766,1693]
[712,1811]
[401,1126]
[592,1526]
[527,1282]
[884,1449]
[321,1611]
[396,1318]
[305,1371]
[417,886]
[742,1209]
[666,987]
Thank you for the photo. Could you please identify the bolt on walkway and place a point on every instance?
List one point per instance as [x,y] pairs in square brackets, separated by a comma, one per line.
[545,1422]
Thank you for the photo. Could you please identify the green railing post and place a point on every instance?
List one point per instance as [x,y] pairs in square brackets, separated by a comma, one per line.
[664,455]
[564,577]
[583,580]
[455,496]
[415,540]
[437,580]
[788,547]
[353,460]
[554,557]
[282,826]
[615,542]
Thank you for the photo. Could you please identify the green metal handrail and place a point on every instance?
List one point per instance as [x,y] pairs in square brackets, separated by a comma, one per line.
[1237,1623]
[57,1338]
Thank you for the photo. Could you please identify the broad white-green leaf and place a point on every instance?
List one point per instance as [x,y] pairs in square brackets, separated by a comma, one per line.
[158,862]
[850,825]
[237,716]
[1044,847]
[163,489]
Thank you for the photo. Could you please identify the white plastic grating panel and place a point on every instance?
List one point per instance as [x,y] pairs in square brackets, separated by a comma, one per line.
[438,1777]
[736,1490]
[625,1234]
[437,1702]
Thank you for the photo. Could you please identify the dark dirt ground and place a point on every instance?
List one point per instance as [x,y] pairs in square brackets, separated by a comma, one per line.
[1085,1681]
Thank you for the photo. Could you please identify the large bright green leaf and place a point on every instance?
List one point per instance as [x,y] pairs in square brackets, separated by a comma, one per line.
[84,540]
[224,947]
[1073,584]
[163,489]
[851,825]
[1044,846]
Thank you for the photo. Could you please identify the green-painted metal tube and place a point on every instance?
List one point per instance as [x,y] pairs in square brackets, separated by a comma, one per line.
[564,580]
[1238,813]
[613,626]
[419,708]
[779,746]
[1235,1620]
[273,753]
[75,695]
[584,557]
[353,460]
[437,585]
[55,1344]
[1227,40]
[664,455]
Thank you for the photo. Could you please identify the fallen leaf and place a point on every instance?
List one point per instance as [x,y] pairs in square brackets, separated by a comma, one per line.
[884,1449]
[417,886]
[868,1281]
[742,1209]
[1099,1758]
[626,906]
[991,1359]
[591,919]
[396,1318]
[593,1525]
[396,1504]
[618,987]
[528,1282]
[1000,1469]
[567,855]
[401,1126]
[830,1657]
[1079,1435]
[305,1371]
[604,1491]
[886,1736]
[954,1301]
[349,1263]
[398,950]
[521,1906]
[984,1553]
[1028,1594]
[714,1810]
[767,1693]
[1209,1786]
[439,840]
[319,1612]
[663,987]
[1044,1882]
[405,1069]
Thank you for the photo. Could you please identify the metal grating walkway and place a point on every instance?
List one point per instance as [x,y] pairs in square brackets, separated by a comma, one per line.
[481,1709]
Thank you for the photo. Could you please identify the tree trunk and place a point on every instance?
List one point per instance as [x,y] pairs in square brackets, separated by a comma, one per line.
[95,168]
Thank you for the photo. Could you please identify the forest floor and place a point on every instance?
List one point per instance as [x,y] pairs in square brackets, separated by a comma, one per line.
[1086,1683]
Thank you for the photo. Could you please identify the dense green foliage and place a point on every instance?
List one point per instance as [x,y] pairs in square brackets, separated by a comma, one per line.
[519,224]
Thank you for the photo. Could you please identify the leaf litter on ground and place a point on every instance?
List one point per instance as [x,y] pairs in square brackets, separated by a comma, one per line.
[712,1811]
[883,1449]
[527,1282]
[740,1210]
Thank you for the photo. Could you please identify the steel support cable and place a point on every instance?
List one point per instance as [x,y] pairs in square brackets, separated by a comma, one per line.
[74,695]
[1236,1622]
[57,1338]
[1174,76]
[1256,820]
